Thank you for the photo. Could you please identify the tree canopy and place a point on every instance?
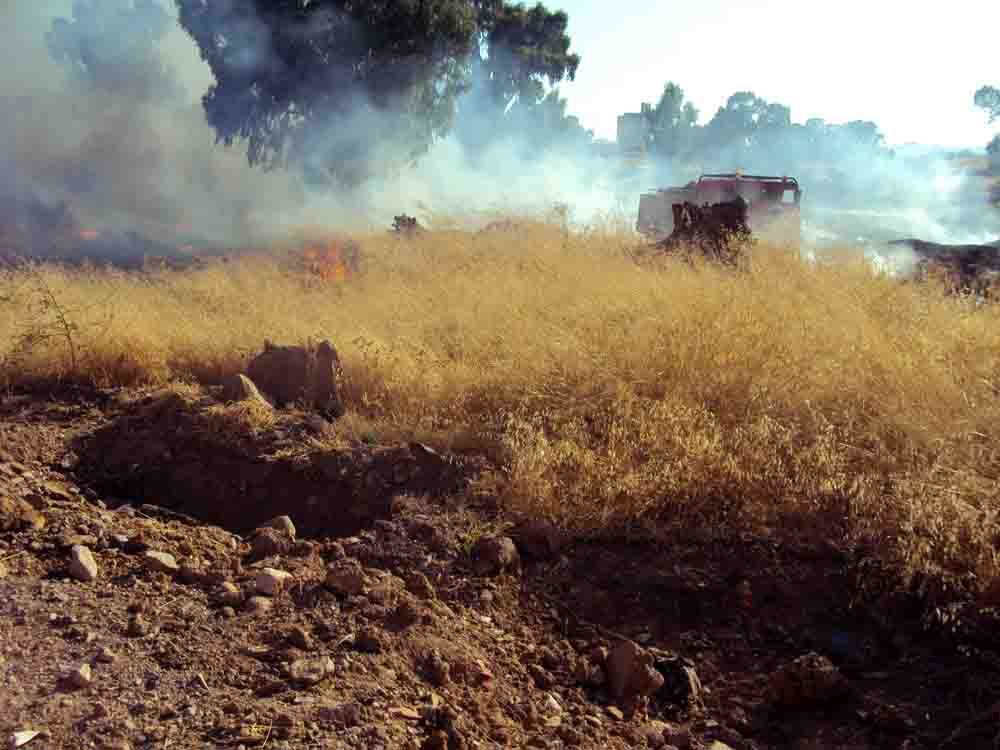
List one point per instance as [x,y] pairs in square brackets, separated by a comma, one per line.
[351,88]
[673,122]
[988,98]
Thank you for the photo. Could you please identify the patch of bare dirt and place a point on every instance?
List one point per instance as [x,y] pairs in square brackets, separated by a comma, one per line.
[437,622]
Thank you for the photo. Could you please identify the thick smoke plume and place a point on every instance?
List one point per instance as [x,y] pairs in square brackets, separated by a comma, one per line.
[107,132]
[104,135]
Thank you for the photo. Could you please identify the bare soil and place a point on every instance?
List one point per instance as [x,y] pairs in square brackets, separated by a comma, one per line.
[430,637]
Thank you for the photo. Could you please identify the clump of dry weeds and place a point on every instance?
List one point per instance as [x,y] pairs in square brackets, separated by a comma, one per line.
[819,400]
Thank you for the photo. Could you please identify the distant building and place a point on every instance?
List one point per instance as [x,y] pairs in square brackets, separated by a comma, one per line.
[635,130]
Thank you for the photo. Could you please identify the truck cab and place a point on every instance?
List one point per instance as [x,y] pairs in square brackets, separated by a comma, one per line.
[773,204]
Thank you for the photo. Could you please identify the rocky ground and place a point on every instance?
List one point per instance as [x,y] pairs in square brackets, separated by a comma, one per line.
[438,622]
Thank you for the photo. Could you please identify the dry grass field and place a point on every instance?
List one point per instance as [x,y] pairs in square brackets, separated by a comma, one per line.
[814,400]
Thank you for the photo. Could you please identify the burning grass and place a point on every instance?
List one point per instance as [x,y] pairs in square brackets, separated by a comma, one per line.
[818,401]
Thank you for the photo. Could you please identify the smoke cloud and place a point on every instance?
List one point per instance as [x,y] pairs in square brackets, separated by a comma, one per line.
[104,131]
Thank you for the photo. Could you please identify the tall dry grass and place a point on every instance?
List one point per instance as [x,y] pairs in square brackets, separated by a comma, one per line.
[816,400]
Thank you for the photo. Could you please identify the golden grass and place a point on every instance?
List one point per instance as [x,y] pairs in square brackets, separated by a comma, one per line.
[820,401]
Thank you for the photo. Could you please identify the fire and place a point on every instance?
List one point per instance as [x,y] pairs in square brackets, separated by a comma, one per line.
[330,257]
[325,261]
[89,235]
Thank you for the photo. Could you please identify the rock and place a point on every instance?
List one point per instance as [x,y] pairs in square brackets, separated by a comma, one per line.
[719,745]
[80,677]
[300,638]
[228,594]
[303,548]
[345,577]
[405,614]
[296,373]
[436,740]
[681,684]
[344,714]
[438,671]
[281,523]
[311,671]
[257,605]
[653,733]
[3,570]
[105,655]
[493,555]
[551,705]
[808,680]
[404,713]
[191,574]
[369,640]
[268,543]
[537,539]
[160,562]
[19,739]
[679,737]
[19,515]
[271,581]
[139,626]
[543,679]
[631,672]
[419,585]
[241,388]
[82,565]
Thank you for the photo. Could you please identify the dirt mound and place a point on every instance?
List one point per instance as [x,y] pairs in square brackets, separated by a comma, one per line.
[195,456]
[447,625]
[306,374]
[718,231]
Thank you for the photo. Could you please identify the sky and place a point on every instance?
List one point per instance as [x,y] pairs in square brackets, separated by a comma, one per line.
[912,67]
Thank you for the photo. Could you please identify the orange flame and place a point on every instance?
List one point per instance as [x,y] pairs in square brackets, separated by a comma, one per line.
[328,257]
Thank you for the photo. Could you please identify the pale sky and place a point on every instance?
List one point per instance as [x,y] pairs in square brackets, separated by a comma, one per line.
[912,67]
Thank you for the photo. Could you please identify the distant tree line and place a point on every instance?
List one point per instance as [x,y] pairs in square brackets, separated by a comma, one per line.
[988,98]
[750,129]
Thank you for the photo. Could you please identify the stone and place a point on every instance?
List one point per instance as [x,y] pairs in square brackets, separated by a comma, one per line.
[537,539]
[679,737]
[160,562]
[271,582]
[345,577]
[681,684]
[300,638]
[308,672]
[228,594]
[19,515]
[269,542]
[810,679]
[80,677]
[653,733]
[494,555]
[139,626]
[438,670]
[630,671]
[239,387]
[369,641]
[19,739]
[105,655]
[82,565]
[345,714]
[419,585]
[310,375]
[281,523]
[258,605]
